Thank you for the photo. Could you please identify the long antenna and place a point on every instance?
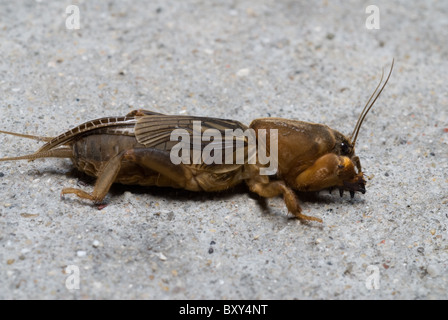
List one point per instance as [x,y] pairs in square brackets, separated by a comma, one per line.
[369,105]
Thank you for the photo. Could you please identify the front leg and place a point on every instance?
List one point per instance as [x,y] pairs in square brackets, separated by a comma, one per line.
[331,171]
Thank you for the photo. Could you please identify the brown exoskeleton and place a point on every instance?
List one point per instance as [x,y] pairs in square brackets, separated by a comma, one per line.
[135,149]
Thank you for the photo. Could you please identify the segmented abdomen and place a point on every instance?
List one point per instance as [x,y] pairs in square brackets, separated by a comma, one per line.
[92,152]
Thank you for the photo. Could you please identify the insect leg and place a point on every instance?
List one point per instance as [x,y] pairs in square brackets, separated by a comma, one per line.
[102,185]
[270,189]
[177,176]
[329,171]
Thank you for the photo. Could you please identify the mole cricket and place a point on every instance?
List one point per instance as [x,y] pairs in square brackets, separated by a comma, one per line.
[137,150]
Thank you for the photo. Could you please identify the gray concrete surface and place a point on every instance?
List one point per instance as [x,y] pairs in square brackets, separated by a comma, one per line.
[232,59]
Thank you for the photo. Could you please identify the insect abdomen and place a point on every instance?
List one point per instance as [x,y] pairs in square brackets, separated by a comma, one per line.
[92,152]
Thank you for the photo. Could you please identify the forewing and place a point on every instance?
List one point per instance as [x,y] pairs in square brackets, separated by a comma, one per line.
[155,131]
[121,125]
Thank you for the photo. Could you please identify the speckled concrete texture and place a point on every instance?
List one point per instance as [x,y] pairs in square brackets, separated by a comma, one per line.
[232,59]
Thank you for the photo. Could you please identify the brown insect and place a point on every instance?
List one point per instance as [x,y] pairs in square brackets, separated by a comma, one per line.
[135,150]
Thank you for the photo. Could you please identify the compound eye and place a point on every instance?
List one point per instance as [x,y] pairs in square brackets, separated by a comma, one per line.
[345,148]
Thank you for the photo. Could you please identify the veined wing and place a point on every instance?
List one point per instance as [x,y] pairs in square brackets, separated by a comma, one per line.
[125,123]
[108,125]
[207,135]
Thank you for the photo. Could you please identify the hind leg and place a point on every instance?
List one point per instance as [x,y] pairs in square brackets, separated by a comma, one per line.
[103,183]
[159,161]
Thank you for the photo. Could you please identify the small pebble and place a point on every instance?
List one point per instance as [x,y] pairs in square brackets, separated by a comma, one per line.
[243,72]
[101,206]
[95,243]
[208,51]
[81,253]
[127,196]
